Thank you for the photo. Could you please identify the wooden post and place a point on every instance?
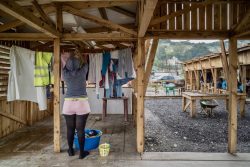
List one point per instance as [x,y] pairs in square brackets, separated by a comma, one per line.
[191,79]
[140,96]
[56,96]
[232,83]
[186,79]
[243,78]
[205,80]
[214,79]
[193,108]
[197,80]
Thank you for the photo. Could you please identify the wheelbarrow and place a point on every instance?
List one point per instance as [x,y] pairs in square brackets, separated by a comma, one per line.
[207,106]
[170,87]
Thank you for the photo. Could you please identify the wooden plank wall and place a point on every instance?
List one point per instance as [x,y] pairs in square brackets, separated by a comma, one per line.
[203,16]
[16,114]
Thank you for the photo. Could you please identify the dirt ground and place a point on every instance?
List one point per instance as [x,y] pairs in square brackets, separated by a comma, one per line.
[168,129]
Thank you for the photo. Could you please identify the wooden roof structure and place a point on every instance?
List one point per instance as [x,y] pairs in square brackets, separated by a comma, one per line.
[120,20]
[214,60]
[93,24]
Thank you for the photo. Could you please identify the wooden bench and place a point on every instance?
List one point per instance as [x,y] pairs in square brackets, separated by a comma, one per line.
[125,105]
[193,96]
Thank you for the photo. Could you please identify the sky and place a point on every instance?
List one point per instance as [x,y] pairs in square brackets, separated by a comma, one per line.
[196,41]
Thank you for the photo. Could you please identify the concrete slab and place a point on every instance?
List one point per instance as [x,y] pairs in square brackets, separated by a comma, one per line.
[33,147]
[194,156]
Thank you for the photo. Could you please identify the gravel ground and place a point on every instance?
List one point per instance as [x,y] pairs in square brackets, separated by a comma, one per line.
[168,129]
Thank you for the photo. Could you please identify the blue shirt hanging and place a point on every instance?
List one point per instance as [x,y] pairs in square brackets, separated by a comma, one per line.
[105,62]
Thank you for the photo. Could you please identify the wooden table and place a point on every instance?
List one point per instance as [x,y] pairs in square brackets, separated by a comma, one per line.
[193,96]
[125,105]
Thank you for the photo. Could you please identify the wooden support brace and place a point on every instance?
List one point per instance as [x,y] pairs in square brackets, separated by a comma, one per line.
[224,61]
[13,117]
[150,63]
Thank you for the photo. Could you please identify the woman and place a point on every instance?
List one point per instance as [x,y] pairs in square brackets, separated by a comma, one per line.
[76,107]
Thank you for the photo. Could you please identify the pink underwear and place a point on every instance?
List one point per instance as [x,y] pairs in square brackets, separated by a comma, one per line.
[78,107]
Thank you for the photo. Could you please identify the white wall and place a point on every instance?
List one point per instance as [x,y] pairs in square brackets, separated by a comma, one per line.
[114,106]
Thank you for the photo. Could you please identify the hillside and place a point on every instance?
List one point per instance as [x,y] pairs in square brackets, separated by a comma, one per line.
[185,50]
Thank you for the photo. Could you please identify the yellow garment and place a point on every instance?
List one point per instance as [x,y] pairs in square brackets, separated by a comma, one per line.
[41,72]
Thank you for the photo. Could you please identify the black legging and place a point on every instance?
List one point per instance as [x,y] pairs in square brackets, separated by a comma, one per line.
[77,122]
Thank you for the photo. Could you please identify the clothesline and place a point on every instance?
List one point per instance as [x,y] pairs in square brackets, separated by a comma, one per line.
[30,73]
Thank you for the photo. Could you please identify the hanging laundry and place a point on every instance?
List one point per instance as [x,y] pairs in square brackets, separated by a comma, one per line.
[95,66]
[92,68]
[114,54]
[125,64]
[105,62]
[105,72]
[42,72]
[21,78]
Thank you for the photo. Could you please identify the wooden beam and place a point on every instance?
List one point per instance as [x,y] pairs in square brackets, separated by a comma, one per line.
[224,60]
[98,20]
[123,11]
[188,34]
[242,33]
[81,3]
[103,13]
[242,22]
[232,117]
[96,4]
[12,24]
[140,97]
[148,11]
[67,37]
[25,37]
[17,22]
[242,28]
[13,117]
[150,63]
[42,13]
[56,97]
[105,29]
[12,8]
[97,37]
[59,18]
[94,0]
[41,47]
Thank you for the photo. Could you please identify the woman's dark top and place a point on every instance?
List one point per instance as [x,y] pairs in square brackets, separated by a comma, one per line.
[75,78]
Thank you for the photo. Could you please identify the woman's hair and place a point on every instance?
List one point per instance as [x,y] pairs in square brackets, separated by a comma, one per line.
[79,55]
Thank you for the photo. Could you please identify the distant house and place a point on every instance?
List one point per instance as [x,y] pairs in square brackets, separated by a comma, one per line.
[173,61]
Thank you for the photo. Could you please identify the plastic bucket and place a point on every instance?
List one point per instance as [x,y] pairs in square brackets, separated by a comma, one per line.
[91,143]
[104,149]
